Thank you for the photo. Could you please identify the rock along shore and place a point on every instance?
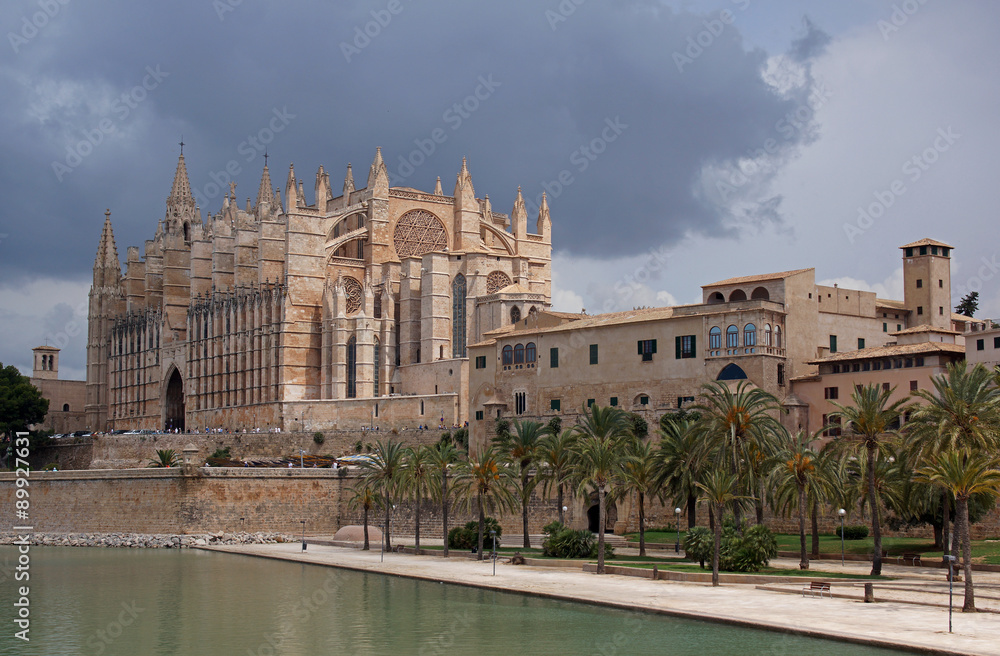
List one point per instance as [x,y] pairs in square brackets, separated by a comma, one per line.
[144,541]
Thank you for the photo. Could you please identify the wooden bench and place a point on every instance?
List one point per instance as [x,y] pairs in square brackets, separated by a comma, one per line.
[911,558]
[817,588]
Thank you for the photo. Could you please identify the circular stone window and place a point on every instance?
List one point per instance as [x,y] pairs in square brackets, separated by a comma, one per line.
[418,232]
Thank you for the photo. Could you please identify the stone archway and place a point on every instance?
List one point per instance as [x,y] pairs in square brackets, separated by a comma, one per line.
[594,515]
[173,403]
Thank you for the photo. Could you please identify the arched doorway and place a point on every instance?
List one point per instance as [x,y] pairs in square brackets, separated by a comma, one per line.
[173,405]
[594,515]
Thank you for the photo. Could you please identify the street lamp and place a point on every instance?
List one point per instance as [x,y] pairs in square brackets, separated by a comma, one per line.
[493,534]
[303,534]
[951,578]
[677,545]
[301,451]
[841,512]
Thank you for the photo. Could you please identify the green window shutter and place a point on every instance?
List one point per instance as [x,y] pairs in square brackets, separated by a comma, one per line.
[555,404]
[694,346]
[640,346]
[654,346]
[677,347]
[554,358]
[593,354]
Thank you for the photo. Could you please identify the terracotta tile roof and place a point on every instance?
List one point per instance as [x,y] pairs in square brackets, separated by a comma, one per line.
[923,348]
[761,278]
[927,242]
[926,328]
[955,316]
[612,319]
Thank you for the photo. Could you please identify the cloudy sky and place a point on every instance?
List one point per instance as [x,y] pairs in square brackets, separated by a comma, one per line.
[679,142]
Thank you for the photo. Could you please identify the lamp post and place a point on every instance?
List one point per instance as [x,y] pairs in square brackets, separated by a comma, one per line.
[493,534]
[301,452]
[677,545]
[841,512]
[951,560]
[303,534]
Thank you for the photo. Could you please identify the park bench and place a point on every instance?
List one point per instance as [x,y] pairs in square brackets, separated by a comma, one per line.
[911,558]
[817,588]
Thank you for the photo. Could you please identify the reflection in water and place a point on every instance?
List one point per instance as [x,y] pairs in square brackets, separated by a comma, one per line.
[183,602]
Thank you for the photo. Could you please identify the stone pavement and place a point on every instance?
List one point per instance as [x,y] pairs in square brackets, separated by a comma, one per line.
[889,623]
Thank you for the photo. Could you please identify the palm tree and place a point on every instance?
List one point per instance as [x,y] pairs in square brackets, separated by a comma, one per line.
[485,480]
[798,478]
[681,462]
[868,424]
[640,469]
[741,424]
[599,455]
[165,458]
[364,497]
[963,412]
[384,473]
[442,457]
[718,490]
[555,453]
[416,482]
[521,447]
[964,473]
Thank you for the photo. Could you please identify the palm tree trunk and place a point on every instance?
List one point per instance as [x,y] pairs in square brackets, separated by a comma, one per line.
[717,547]
[444,509]
[388,511]
[364,521]
[760,504]
[642,525]
[873,505]
[946,521]
[416,521]
[600,529]
[962,508]
[559,497]
[692,504]
[525,498]
[803,556]
[482,522]
[711,517]
[815,528]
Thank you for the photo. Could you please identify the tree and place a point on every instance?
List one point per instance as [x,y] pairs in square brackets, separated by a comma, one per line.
[21,404]
[601,432]
[384,473]
[364,497]
[521,447]
[964,473]
[416,481]
[718,490]
[442,457]
[681,462]
[868,424]
[639,474]
[165,458]
[555,454]
[484,480]
[798,477]
[968,305]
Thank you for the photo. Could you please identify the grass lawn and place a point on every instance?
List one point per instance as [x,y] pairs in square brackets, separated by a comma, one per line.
[768,571]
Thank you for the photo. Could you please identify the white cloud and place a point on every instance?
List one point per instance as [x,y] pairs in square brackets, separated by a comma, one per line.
[49,311]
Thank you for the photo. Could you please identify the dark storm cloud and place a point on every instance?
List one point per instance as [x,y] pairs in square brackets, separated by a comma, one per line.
[614,109]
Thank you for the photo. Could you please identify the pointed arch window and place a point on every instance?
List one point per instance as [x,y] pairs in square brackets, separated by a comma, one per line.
[352,368]
[458,331]
[515,314]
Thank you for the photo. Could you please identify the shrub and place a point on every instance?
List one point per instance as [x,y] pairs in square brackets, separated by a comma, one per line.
[750,551]
[357,447]
[221,453]
[698,544]
[555,425]
[318,437]
[467,537]
[859,532]
[502,430]
[638,425]
[461,438]
[563,542]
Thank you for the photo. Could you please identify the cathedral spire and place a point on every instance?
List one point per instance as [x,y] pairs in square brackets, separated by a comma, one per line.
[265,193]
[291,189]
[519,216]
[544,225]
[437,188]
[378,177]
[465,195]
[181,200]
[106,262]
[348,183]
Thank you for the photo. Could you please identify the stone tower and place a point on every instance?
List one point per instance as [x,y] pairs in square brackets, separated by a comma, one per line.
[107,302]
[46,363]
[927,282]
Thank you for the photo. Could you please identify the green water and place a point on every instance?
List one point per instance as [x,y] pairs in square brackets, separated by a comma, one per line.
[183,602]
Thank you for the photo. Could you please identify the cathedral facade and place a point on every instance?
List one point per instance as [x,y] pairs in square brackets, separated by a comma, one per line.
[355,310]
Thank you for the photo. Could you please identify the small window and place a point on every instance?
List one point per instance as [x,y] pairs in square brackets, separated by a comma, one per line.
[421,407]
[831,393]
[877,365]
[941,309]
[923,250]
[909,252]
[866,366]
[913,385]
[940,283]
[479,415]
[920,283]
[643,400]
[684,346]
[833,343]
[480,362]
[590,402]
[593,354]
[781,375]
[529,353]
[520,402]
[555,404]
[886,387]
[732,337]
[508,355]
[996,342]
[920,362]
[908,363]
[920,309]
[861,343]
[980,344]
[554,357]
[885,327]
[519,354]
[715,338]
[647,347]
[613,402]
[65,407]
[899,327]
[681,400]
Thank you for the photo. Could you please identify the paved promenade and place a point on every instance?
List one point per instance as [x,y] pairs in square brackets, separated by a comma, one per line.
[888,623]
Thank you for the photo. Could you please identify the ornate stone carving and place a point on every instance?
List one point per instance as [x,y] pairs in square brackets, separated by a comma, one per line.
[496,281]
[418,232]
[353,293]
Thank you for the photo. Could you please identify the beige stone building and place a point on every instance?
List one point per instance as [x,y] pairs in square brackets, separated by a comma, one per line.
[352,310]
[66,397]
[781,331]
[982,345]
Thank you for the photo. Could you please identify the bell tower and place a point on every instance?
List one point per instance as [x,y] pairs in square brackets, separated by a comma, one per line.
[927,283]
